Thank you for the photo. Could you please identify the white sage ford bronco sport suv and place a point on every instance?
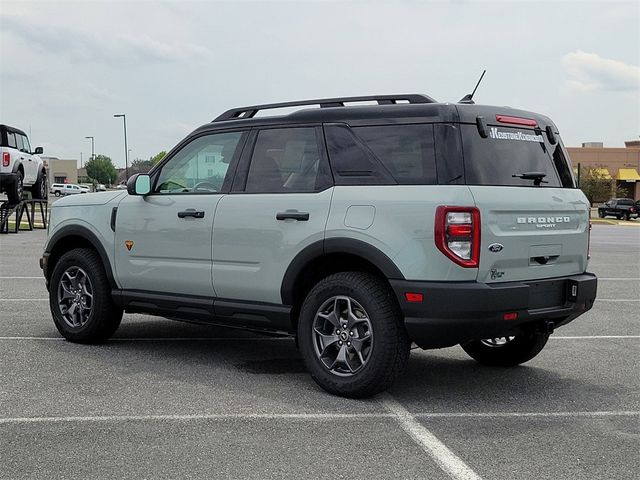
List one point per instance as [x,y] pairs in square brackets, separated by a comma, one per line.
[21,168]
[358,229]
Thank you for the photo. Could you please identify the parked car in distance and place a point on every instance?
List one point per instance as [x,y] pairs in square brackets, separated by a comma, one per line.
[21,167]
[84,189]
[122,186]
[71,189]
[359,229]
[56,189]
[101,188]
[621,208]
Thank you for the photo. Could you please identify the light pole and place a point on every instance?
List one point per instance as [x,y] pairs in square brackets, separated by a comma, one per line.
[93,154]
[126,150]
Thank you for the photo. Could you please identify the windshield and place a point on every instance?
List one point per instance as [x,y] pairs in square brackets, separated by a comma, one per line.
[514,157]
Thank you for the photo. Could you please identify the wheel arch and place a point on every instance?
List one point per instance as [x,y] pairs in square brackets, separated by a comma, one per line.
[76,236]
[324,258]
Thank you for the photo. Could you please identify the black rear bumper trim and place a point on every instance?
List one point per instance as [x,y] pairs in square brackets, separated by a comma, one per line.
[457,312]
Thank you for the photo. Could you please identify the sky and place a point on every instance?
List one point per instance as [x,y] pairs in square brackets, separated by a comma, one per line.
[67,67]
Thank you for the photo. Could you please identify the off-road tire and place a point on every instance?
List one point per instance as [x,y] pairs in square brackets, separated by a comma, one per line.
[104,318]
[390,343]
[16,191]
[520,350]
[39,189]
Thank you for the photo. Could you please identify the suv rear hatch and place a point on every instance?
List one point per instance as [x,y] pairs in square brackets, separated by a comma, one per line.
[535,223]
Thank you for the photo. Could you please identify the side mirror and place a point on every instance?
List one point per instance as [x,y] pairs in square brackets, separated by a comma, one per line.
[38,151]
[139,184]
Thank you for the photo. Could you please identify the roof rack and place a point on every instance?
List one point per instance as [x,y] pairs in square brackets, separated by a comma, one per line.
[251,111]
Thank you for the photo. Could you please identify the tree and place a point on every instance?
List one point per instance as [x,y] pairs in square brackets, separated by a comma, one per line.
[596,184]
[156,158]
[101,169]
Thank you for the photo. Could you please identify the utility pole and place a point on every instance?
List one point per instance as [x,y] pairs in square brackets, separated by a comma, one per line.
[126,150]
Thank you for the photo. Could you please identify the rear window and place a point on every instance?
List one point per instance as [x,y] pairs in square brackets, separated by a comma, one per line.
[382,155]
[510,152]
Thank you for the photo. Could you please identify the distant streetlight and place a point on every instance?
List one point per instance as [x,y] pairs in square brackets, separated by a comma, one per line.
[126,150]
[93,154]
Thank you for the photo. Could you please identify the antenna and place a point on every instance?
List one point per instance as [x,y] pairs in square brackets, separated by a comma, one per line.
[468,98]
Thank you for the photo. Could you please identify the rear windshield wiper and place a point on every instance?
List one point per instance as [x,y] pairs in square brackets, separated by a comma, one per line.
[535,176]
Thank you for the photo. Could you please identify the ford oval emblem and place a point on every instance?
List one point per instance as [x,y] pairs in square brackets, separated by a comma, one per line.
[496,247]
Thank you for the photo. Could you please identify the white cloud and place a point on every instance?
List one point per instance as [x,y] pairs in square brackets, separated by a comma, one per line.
[590,72]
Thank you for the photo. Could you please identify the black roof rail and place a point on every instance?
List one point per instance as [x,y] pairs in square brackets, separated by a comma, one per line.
[251,111]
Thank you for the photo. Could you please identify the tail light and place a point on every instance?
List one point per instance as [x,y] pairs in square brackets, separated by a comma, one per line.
[457,234]
[6,159]
[589,242]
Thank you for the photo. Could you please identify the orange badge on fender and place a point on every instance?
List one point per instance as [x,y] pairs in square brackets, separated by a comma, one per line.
[128,244]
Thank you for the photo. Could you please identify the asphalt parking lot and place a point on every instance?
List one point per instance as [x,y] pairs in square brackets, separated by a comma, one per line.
[172,400]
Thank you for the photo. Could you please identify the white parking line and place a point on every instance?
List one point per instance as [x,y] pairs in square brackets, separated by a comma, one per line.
[624,413]
[592,337]
[40,277]
[214,416]
[284,337]
[617,299]
[305,416]
[445,458]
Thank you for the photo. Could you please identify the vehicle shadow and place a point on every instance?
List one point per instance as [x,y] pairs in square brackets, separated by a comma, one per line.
[231,368]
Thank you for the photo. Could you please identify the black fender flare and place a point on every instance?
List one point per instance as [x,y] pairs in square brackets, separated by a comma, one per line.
[85,234]
[16,167]
[335,245]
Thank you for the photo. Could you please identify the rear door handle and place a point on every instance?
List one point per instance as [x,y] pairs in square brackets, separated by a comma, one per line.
[191,212]
[294,215]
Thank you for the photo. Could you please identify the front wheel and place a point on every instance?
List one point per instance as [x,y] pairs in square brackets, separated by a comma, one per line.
[39,189]
[351,335]
[601,214]
[506,351]
[627,217]
[80,298]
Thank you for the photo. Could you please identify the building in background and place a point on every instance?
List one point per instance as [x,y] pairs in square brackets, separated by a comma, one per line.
[61,171]
[620,164]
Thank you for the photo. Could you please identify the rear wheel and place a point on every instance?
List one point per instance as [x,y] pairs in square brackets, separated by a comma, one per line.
[601,214]
[80,298]
[16,190]
[626,216]
[506,351]
[351,335]
[39,189]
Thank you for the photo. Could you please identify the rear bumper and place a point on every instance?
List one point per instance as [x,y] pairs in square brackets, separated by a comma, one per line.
[457,312]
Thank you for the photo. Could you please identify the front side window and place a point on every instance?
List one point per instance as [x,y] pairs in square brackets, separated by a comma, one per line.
[201,166]
[285,160]
[25,144]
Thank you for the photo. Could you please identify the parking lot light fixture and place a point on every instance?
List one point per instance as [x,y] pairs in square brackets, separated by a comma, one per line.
[93,155]
[126,150]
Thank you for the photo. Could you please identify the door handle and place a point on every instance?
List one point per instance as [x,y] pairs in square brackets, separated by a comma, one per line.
[191,212]
[294,215]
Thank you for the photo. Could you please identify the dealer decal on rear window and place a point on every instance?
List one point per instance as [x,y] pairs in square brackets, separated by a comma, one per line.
[525,137]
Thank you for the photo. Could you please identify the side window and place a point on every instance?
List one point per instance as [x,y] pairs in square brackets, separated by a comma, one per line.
[406,151]
[286,160]
[11,140]
[201,166]
[382,155]
[25,144]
